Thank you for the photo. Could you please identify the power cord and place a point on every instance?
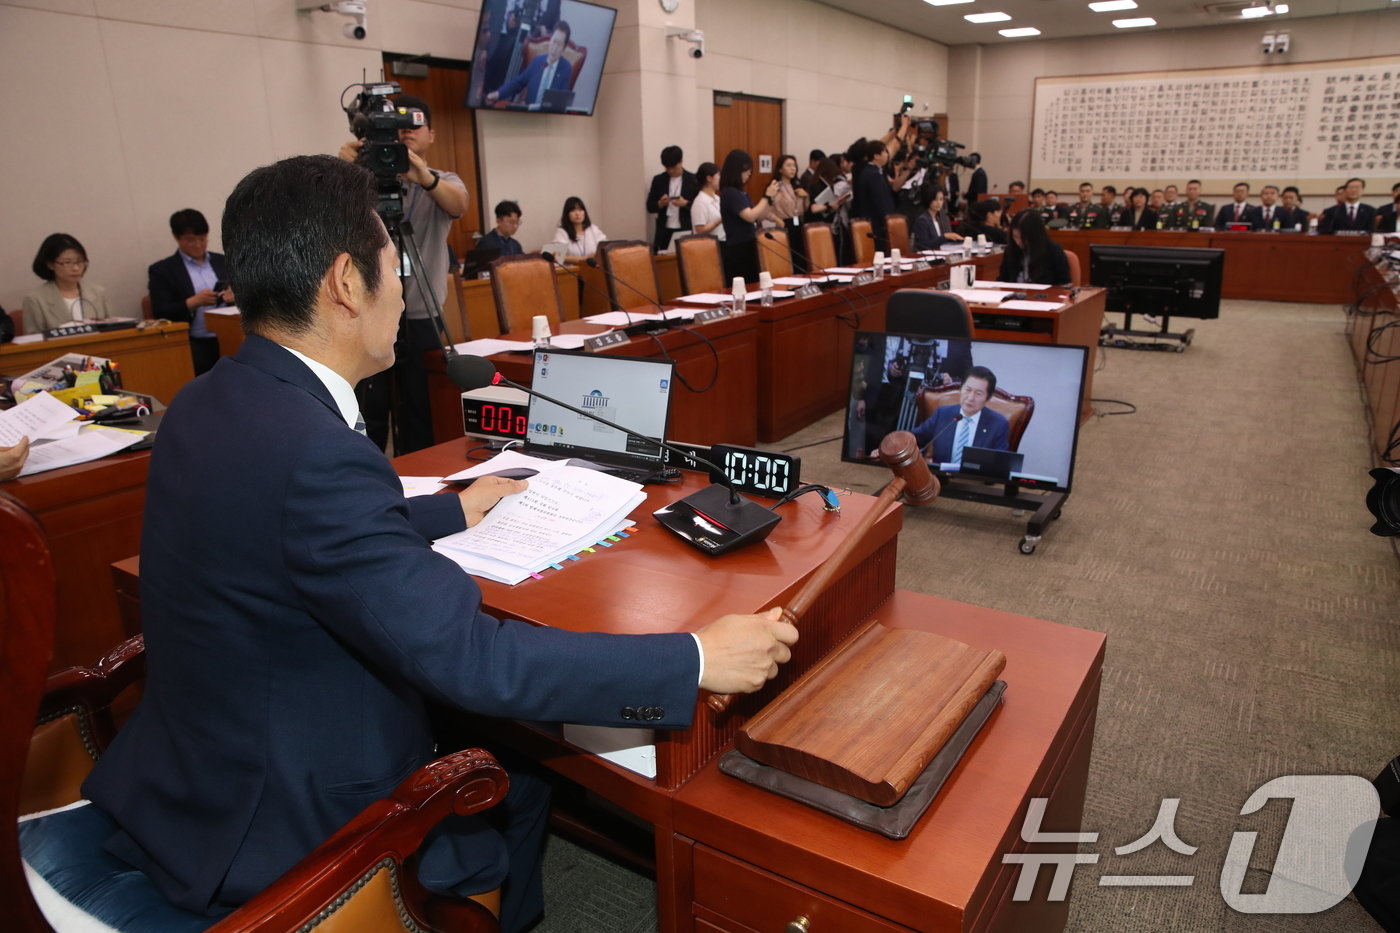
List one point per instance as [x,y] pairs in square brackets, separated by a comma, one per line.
[714,351]
[825,440]
[830,501]
[1132,409]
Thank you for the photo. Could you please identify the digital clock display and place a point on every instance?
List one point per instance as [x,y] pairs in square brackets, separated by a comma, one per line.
[760,472]
[494,419]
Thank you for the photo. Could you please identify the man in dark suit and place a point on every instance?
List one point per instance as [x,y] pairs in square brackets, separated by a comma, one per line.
[1349,214]
[968,423]
[298,622]
[1295,216]
[1238,211]
[1385,215]
[1270,215]
[670,196]
[183,285]
[544,73]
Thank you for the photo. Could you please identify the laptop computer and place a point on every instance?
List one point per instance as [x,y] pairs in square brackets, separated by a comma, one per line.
[997,464]
[478,260]
[631,391]
[556,99]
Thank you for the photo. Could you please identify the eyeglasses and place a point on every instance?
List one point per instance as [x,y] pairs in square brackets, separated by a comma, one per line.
[71,263]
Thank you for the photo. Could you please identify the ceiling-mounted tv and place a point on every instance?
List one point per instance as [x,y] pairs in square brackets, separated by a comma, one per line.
[540,56]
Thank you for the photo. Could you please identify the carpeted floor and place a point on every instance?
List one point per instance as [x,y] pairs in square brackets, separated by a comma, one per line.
[1219,537]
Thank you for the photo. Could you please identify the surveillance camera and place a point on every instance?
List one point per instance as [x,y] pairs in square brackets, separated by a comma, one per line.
[698,52]
[1268,43]
[695,37]
[354,31]
[1281,43]
[357,10]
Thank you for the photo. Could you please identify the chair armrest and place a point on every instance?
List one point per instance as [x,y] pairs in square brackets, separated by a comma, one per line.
[91,690]
[389,829]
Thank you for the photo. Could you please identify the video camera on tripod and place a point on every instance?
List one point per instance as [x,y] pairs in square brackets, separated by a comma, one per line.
[927,149]
[376,121]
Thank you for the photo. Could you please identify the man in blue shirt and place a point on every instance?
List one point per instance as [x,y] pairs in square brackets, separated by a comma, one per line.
[503,237]
[183,285]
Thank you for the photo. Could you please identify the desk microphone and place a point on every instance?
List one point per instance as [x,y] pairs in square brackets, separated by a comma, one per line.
[768,235]
[838,289]
[714,520]
[560,264]
[593,263]
[933,443]
[642,327]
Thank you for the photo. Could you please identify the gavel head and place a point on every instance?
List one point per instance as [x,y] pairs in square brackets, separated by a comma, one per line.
[900,452]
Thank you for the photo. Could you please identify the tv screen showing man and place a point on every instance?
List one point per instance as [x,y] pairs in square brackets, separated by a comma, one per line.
[968,422]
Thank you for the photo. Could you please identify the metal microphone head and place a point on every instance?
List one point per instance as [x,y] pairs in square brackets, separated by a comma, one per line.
[869,234]
[470,372]
[547,256]
[592,262]
[768,235]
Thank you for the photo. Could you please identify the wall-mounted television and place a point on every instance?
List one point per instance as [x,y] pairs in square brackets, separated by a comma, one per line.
[540,56]
[1020,402]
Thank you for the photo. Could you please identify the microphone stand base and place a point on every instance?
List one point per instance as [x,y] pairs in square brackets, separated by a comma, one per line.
[710,522]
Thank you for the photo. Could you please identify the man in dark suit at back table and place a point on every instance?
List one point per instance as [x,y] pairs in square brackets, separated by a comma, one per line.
[1295,216]
[1238,211]
[669,198]
[1386,214]
[550,72]
[1349,214]
[1270,215]
[966,423]
[183,285]
[298,623]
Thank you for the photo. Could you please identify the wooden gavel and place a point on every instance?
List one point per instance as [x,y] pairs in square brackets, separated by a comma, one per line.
[913,478]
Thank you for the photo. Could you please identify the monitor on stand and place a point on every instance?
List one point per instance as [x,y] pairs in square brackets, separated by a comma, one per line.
[1159,282]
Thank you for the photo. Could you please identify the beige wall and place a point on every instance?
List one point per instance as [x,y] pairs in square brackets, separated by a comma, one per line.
[992,88]
[128,110]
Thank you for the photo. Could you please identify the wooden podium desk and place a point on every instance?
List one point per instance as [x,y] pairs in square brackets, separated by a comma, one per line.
[726,412]
[1264,266]
[154,360]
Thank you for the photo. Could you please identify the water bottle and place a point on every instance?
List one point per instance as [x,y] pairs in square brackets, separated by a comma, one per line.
[878,264]
[896,262]
[765,289]
[739,290]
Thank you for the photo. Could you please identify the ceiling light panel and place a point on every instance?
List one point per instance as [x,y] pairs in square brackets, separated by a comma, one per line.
[1113,6]
[987,17]
[1137,23]
[1019,32]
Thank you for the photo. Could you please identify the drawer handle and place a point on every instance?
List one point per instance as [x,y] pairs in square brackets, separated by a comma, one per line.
[800,925]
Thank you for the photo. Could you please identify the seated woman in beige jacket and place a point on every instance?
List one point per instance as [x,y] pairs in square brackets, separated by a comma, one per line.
[64,296]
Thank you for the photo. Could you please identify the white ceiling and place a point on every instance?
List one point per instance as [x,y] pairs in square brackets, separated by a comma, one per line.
[1058,19]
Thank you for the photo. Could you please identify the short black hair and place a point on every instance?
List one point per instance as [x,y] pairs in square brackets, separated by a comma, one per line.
[672,156]
[1194,181]
[1350,180]
[1016,184]
[1052,191]
[982,372]
[1339,188]
[283,227]
[1242,184]
[54,245]
[984,209]
[816,155]
[1267,187]
[409,102]
[1395,187]
[735,165]
[1086,184]
[506,208]
[564,27]
[1035,191]
[1294,189]
[1110,189]
[186,221]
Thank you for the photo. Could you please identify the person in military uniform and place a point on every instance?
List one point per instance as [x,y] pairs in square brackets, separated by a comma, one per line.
[1170,202]
[1192,213]
[1110,211]
[1052,201]
[1039,204]
[1084,213]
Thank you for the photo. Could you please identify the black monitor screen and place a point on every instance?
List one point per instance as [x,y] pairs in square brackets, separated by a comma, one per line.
[1024,429]
[1168,280]
[541,56]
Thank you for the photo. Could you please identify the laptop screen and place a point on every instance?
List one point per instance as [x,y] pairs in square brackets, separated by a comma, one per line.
[626,390]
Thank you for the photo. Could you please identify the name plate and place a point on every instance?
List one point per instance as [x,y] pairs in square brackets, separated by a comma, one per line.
[920,266]
[712,314]
[864,278]
[611,339]
[810,290]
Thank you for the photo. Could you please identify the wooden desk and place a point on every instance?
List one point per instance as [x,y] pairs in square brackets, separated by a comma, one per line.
[757,861]
[724,413]
[154,360]
[92,515]
[1265,266]
[228,328]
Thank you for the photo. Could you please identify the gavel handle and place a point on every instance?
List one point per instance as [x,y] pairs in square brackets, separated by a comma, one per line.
[822,578]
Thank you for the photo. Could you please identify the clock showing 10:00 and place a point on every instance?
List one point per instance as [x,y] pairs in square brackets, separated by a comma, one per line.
[760,472]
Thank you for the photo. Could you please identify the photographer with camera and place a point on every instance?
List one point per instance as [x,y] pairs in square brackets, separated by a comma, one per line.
[431,200]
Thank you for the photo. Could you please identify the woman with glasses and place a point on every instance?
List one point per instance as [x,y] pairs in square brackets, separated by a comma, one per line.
[64,297]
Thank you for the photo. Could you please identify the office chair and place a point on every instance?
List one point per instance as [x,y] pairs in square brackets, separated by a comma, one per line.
[1075,277]
[927,312]
[775,255]
[701,266]
[861,243]
[353,881]
[524,286]
[821,245]
[1017,409]
[897,229]
[629,261]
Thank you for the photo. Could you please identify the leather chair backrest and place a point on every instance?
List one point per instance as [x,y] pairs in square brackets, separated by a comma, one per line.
[897,228]
[861,244]
[523,287]
[927,312]
[1017,409]
[630,261]
[1074,273]
[775,255]
[701,267]
[575,55]
[821,245]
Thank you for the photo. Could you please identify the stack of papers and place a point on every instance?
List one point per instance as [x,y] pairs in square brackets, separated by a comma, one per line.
[55,439]
[566,509]
[486,346]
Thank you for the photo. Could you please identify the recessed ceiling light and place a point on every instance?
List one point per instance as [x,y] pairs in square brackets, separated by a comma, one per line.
[1018,33]
[1110,6]
[1135,23]
[987,17]
[1254,12]
[1280,8]
[945,2]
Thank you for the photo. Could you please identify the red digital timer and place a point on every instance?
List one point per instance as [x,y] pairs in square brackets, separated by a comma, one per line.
[491,417]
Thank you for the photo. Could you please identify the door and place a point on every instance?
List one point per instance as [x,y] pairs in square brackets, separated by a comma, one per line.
[755,125]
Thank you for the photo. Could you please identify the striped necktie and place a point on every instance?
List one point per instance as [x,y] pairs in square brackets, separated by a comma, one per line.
[360,426]
[964,436]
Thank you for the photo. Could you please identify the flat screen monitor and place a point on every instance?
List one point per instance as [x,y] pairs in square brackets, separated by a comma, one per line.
[632,391]
[1024,431]
[515,42]
[1171,281]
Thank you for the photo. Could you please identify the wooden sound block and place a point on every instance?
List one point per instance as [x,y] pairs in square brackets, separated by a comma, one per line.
[871,716]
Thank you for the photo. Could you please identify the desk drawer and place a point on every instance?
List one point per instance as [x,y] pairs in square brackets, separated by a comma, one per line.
[735,897]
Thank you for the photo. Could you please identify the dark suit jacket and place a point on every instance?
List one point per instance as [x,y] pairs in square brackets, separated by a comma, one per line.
[923,233]
[993,432]
[1335,219]
[530,79]
[1055,272]
[1147,220]
[168,282]
[1385,218]
[1281,216]
[660,184]
[1230,214]
[1297,217]
[296,622]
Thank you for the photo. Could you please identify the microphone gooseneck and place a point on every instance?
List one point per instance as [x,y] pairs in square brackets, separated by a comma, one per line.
[560,264]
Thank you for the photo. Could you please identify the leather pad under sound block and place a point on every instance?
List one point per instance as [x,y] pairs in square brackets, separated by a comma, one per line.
[870,717]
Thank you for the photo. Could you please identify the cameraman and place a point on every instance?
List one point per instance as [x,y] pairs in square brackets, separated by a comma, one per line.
[432,201]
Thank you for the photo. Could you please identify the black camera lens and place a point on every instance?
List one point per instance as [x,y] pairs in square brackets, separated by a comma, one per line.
[1384,501]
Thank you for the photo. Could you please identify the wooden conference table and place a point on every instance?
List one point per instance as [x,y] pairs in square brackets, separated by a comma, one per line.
[784,367]
[1264,266]
[155,359]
